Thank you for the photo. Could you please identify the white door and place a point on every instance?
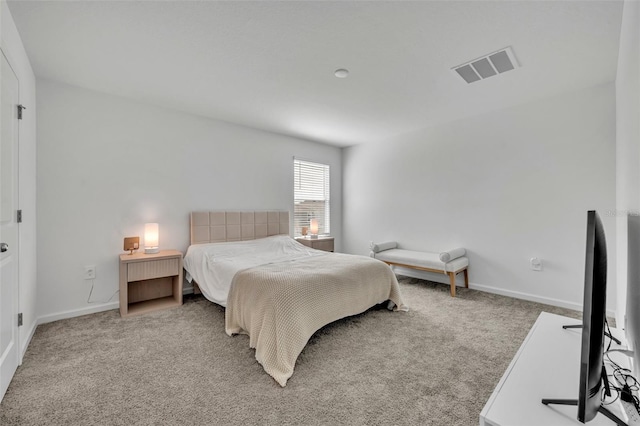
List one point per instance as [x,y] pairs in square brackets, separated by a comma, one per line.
[9,353]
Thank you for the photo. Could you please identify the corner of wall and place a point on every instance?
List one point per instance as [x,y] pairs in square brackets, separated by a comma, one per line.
[627,141]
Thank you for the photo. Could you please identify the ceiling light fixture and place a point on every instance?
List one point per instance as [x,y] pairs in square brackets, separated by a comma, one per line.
[341,73]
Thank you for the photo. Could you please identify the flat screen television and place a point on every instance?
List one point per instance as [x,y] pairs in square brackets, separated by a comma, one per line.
[594,312]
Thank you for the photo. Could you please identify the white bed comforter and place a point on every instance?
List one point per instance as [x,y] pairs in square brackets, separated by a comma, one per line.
[282,297]
[214,265]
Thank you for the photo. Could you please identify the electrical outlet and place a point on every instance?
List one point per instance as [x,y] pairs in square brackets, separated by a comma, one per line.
[90,272]
[536,264]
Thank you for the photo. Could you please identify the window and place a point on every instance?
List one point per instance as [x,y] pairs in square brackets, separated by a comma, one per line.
[311,196]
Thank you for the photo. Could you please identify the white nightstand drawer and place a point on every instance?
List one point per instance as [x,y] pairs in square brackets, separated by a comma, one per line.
[137,271]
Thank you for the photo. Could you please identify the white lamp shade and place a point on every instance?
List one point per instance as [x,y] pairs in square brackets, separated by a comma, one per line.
[151,238]
[313,225]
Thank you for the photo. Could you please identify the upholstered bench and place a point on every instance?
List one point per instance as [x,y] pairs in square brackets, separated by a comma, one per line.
[449,262]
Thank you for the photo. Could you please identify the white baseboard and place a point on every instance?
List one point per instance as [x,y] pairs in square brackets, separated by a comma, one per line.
[424,275]
[78,312]
[444,279]
[24,345]
[86,311]
[533,298]
[72,314]
[526,296]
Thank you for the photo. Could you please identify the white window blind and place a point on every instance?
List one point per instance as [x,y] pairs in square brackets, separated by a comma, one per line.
[311,196]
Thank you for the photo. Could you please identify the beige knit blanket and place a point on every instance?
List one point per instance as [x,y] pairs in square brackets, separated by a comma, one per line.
[281,305]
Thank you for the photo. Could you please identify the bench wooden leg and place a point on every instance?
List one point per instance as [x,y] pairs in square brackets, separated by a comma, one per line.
[466,278]
[452,277]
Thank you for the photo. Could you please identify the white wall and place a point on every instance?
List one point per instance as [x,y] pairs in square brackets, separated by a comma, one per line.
[14,51]
[107,165]
[628,149]
[507,185]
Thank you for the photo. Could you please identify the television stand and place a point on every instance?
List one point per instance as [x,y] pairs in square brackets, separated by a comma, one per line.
[601,410]
[606,333]
[547,365]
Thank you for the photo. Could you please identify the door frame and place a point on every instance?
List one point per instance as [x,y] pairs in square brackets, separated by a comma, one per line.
[15,303]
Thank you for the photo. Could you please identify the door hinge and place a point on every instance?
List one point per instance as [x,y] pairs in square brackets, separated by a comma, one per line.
[20,108]
[19,216]
[20,319]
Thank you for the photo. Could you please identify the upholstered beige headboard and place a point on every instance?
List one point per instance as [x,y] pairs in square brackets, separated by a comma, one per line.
[222,226]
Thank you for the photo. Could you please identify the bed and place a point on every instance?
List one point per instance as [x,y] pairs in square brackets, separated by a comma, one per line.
[276,290]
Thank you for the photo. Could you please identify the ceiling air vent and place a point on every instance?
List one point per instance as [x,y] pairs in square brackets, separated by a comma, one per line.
[486,66]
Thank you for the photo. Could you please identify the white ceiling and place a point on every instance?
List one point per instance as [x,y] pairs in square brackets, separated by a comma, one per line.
[270,65]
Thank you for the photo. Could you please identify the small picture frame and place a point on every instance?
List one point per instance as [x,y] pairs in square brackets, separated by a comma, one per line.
[131,244]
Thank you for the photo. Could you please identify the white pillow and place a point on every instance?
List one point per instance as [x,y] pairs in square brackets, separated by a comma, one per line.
[448,256]
[377,248]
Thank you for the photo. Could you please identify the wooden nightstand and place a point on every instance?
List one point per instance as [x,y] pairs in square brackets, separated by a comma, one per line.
[149,282]
[321,243]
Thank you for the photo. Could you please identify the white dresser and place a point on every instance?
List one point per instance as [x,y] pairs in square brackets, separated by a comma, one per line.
[547,365]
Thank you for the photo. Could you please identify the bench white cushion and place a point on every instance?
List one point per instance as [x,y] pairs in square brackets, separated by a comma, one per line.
[421,259]
[447,256]
[376,248]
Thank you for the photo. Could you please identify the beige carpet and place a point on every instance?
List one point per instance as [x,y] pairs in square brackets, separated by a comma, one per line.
[436,364]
